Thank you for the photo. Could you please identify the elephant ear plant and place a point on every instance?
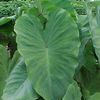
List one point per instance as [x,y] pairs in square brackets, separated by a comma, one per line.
[51,53]
[57,57]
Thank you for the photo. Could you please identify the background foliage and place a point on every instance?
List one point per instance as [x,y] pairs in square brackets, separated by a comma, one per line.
[9,7]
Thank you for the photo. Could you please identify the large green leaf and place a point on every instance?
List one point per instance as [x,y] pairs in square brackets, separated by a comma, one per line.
[3,67]
[18,87]
[95,29]
[50,53]
[73,92]
[85,36]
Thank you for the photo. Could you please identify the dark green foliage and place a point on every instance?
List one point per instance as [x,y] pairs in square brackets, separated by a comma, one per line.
[9,8]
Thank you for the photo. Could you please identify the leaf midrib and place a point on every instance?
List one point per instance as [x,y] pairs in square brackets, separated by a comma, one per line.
[48,68]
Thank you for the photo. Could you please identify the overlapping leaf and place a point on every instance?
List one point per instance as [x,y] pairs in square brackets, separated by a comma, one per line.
[95,29]
[73,93]
[18,87]
[3,68]
[50,53]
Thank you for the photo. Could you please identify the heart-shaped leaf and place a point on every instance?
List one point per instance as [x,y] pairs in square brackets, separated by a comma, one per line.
[50,53]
